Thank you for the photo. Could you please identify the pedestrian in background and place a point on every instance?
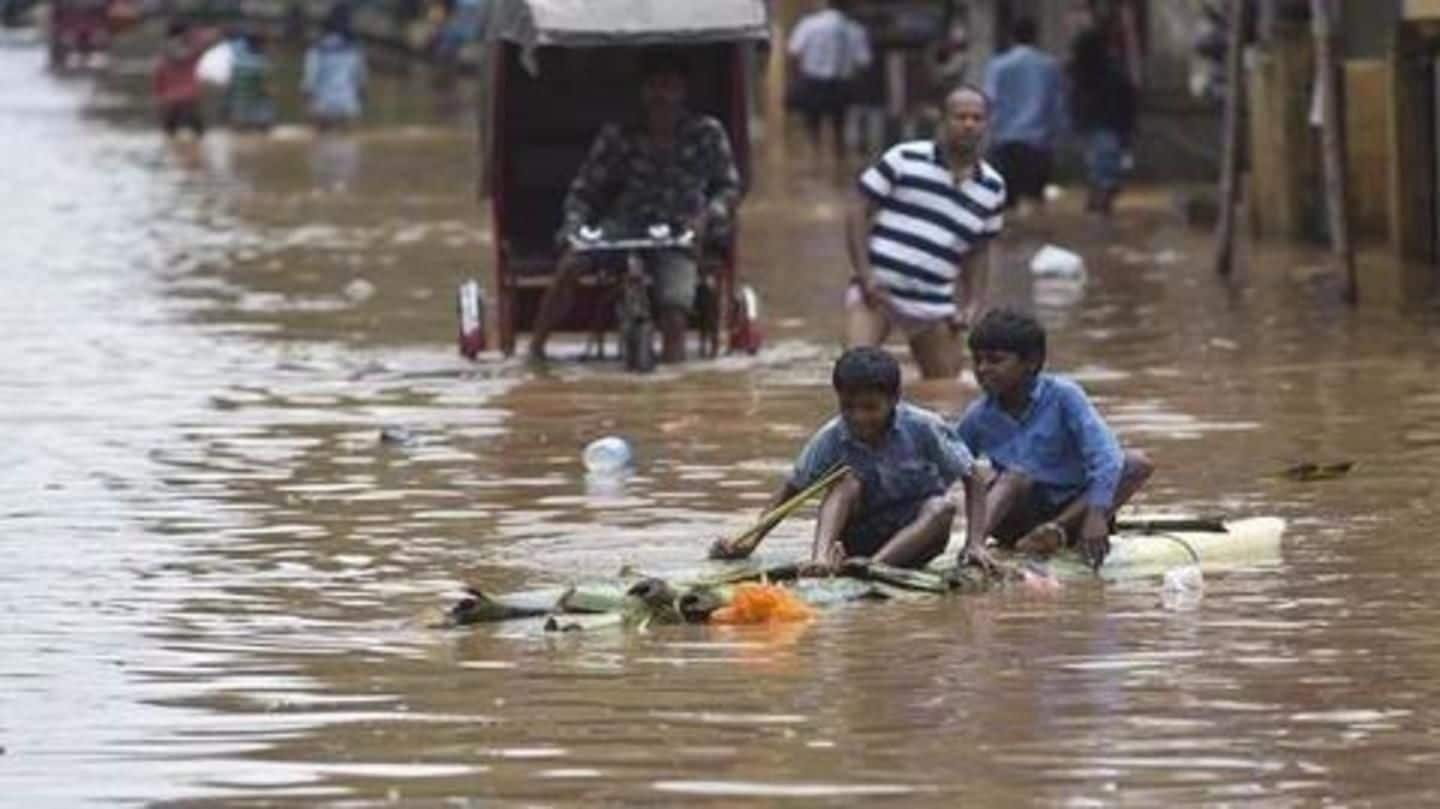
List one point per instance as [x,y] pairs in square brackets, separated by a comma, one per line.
[828,50]
[335,75]
[248,102]
[174,83]
[1027,115]
[1103,109]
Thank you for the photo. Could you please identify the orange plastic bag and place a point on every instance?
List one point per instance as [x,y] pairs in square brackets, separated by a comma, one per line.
[762,604]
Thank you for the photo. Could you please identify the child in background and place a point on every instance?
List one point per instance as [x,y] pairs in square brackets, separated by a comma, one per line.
[175,86]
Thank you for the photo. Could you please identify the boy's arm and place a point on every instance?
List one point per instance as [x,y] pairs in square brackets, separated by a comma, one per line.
[1104,463]
[957,463]
[976,517]
[1099,448]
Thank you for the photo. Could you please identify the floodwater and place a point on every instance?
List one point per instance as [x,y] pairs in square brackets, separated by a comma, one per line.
[213,566]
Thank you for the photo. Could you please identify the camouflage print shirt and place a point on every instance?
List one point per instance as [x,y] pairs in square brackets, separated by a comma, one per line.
[629,182]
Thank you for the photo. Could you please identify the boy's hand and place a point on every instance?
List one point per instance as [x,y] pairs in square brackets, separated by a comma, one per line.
[829,557]
[1095,537]
[980,557]
[721,549]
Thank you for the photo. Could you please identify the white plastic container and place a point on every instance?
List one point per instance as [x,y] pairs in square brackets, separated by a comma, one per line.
[607,456]
[1057,262]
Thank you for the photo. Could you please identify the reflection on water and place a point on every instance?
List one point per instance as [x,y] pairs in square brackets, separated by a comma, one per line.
[214,561]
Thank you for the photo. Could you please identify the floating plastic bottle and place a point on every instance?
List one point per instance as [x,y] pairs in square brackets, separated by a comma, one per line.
[607,456]
[1184,579]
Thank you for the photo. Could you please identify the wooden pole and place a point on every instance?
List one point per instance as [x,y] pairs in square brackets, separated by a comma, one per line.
[1267,16]
[1327,73]
[1232,141]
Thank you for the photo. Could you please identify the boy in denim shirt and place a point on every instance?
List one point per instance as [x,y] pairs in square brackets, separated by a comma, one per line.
[898,502]
[1062,474]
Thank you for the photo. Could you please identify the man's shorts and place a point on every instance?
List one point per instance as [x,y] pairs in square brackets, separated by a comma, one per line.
[182,115]
[1104,159]
[1026,170]
[908,325]
[676,276]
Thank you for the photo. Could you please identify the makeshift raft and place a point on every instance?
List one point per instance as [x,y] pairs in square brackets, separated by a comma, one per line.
[1144,547]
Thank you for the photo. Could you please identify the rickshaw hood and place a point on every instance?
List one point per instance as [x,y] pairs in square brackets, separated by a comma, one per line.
[585,23]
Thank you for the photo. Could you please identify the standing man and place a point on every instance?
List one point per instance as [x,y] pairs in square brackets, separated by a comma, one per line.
[1027,90]
[828,50]
[919,239]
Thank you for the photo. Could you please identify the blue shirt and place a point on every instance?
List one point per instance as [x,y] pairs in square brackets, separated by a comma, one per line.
[334,75]
[1060,441]
[916,460]
[1026,97]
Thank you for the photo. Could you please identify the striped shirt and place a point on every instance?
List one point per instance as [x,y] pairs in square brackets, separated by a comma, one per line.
[927,223]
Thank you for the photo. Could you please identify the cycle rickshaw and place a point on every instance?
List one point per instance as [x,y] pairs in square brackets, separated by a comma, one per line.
[556,72]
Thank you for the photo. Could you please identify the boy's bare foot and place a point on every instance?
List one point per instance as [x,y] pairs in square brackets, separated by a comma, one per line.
[1045,539]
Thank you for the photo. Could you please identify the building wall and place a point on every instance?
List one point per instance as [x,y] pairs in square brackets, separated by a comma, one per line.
[1368,28]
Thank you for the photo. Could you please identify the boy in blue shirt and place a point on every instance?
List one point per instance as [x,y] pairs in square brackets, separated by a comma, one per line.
[1062,475]
[899,500]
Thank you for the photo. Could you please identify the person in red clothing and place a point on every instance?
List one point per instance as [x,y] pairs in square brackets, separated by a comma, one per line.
[174,83]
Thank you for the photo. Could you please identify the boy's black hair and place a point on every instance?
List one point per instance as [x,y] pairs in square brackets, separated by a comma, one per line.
[1012,330]
[866,369]
[1025,31]
[663,62]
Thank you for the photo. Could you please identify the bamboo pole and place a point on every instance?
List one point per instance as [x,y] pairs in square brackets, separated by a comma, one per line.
[1327,73]
[742,546]
[1232,141]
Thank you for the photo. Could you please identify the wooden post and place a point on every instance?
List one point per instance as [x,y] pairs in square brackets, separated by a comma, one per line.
[783,16]
[1267,16]
[980,30]
[1327,73]
[1235,88]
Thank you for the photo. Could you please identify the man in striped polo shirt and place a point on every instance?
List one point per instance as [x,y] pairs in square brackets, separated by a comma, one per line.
[919,241]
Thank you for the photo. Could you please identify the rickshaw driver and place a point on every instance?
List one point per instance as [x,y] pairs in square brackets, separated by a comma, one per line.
[677,168]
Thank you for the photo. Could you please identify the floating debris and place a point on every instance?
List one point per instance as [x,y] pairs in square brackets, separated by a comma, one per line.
[396,436]
[1311,472]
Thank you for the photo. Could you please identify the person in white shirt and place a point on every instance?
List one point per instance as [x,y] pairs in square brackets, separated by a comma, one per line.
[827,51]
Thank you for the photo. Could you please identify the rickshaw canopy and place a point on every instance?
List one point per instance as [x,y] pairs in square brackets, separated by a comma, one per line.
[589,23]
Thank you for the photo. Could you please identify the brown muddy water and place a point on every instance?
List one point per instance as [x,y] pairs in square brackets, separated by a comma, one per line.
[212,566]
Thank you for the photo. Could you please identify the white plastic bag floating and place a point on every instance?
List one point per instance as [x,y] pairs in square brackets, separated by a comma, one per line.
[216,65]
[1057,262]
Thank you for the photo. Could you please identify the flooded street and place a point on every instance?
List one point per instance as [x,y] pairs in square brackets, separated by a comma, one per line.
[214,568]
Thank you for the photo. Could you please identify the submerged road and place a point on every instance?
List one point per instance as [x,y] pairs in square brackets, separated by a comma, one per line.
[212,565]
